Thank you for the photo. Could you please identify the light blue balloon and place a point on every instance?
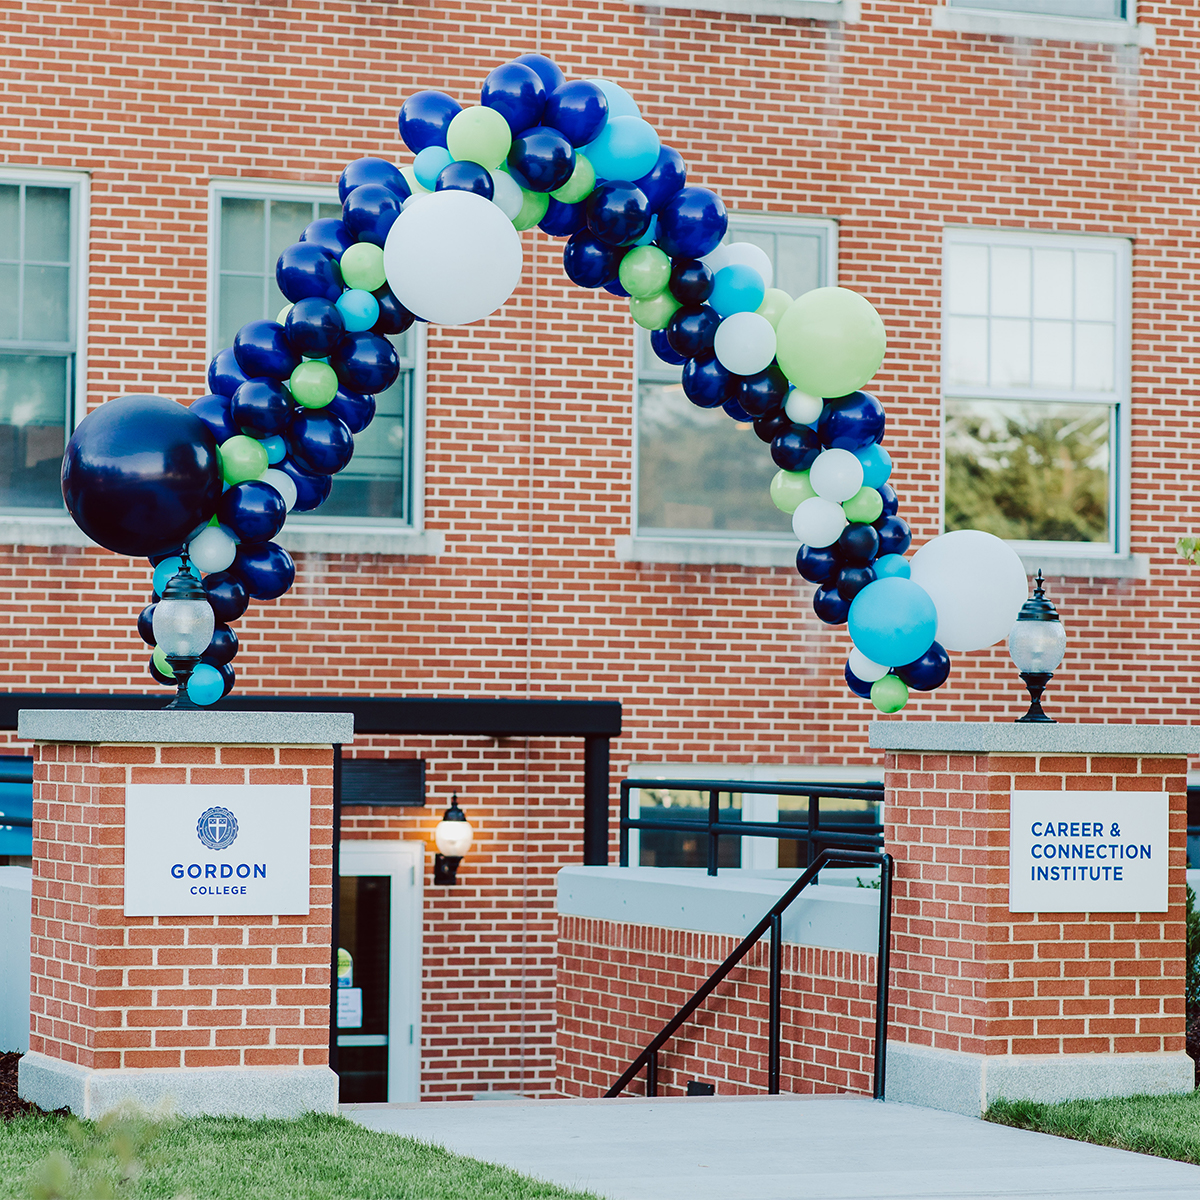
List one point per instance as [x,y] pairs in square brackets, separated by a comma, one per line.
[651,233]
[359,309]
[620,103]
[169,567]
[205,685]
[276,449]
[627,148]
[876,463]
[736,288]
[429,164]
[893,621]
[891,566]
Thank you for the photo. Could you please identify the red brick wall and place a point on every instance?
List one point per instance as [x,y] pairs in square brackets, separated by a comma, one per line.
[115,991]
[619,984]
[969,975]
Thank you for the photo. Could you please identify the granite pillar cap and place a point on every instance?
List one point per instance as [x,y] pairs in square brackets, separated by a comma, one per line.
[997,737]
[187,727]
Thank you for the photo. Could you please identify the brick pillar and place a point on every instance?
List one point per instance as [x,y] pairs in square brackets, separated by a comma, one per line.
[1040,1005]
[210,1013]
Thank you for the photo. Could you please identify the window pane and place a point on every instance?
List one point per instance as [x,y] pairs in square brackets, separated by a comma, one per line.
[46,317]
[9,295]
[797,263]
[967,351]
[1095,287]
[10,221]
[33,408]
[1053,288]
[47,225]
[1029,471]
[1052,355]
[288,219]
[688,848]
[1095,367]
[243,234]
[329,210]
[1056,8]
[1010,280]
[966,280]
[239,299]
[1010,354]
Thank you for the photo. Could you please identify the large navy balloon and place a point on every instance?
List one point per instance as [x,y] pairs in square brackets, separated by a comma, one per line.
[851,422]
[691,281]
[261,408]
[226,595]
[818,564]
[895,537]
[762,393]
[796,449]
[375,171]
[265,569]
[425,117]
[314,326]
[774,424]
[578,110]
[354,408]
[691,223]
[517,93]
[829,606]
[544,158]
[252,511]
[370,211]
[691,330]
[365,363]
[215,412]
[262,351]
[319,442]
[141,475]
[465,177]
[618,213]
[664,179]
[860,687]
[306,269]
[589,262]
[223,648]
[562,220]
[311,490]
[663,348]
[706,383]
[929,672]
[329,234]
[393,316]
[546,68]
[224,374]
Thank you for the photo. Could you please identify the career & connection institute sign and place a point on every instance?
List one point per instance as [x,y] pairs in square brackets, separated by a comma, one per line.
[1088,852]
[196,850]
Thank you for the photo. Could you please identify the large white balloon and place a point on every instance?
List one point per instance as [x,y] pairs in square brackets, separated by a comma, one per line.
[453,258]
[745,343]
[818,522]
[836,475]
[212,549]
[507,194]
[977,583]
[750,255]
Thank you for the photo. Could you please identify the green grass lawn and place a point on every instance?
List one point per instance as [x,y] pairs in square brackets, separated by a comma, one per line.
[1167,1126]
[212,1158]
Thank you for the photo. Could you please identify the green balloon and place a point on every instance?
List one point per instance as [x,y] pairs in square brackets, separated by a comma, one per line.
[160,661]
[866,506]
[362,267]
[889,694]
[313,384]
[645,271]
[775,303]
[789,489]
[580,185]
[532,210]
[830,342]
[653,312]
[479,135]
[242,458]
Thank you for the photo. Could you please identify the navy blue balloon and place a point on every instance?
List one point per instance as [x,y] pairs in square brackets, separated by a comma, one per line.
[891,502]
[229,676]
[329,234]
[690,331]
[263,351]
[465,177]
[226,595]
[737,412]
[829,606]
[858,544]
[224,374]
[375,171]
[691,281]
[562,220]
[311,490]
[818,564]
[860,687]
[691,223]
[365,363]
[895,537]
[265,569]
[929,672]
[393,316]
[547,71]
[141,474]
[613,288]
[223,648]
[158,676]
[618,213]
[314,326]
[254,511]
[664,179]
[516,91]
[851,580]
[214,412]
[424,118]
[261,408]
[589,262]
[319,442]
[370,211]
[762,393]
[544,158]
[578,110]
[706,383]
[305,269]
[145,625]
[663,349]
[767,428]
[851,422]
[796,449]
[354,408]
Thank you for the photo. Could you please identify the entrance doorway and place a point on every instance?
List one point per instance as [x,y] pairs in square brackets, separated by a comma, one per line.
[379,972]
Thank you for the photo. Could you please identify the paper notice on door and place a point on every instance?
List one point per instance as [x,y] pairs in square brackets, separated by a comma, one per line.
[349,1002]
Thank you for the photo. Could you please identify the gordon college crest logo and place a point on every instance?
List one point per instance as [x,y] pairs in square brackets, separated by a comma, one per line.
[217,828]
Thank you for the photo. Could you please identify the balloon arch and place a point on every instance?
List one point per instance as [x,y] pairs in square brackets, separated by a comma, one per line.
[202,490]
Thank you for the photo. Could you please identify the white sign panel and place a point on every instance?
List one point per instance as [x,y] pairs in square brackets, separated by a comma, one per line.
[349,1010]
[1088,852]
[202,849]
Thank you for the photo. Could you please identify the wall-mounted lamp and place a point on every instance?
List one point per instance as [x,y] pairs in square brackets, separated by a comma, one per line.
[453,839]
[1037,644]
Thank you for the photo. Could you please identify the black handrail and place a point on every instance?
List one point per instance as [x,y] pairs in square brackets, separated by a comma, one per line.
[773,921]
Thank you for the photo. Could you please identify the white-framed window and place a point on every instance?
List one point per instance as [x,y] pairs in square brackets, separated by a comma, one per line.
[1035,379]
[699,474]
[1107,10]
[251,222]
[43,216]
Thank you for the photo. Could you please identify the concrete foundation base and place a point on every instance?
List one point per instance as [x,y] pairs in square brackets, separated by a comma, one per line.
[182,1091]
[968,1083]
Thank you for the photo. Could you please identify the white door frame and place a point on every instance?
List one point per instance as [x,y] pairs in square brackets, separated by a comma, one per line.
[405,863]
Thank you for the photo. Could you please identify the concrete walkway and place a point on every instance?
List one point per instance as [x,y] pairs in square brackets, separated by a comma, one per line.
[777,1148]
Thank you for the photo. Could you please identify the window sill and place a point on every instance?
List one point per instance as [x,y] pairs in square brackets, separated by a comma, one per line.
[27,529]
[302,538]
[847,11]
[1034,25]
[1070,566]
[746,552]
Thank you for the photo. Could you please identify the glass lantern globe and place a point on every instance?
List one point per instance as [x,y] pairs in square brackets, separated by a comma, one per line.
[183,627]
[453,839]
[1037,644]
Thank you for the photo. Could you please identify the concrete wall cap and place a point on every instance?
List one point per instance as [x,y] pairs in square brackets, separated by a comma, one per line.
[984,737]
[186,727]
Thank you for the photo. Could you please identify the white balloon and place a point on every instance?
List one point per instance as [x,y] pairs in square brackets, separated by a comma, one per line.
[452,258]
[284,484]
[213,549]
[861,667]
[802,408]
[506,194]
[818,522]
[745,343]
[836,475]
[715,259]
[977,583]
[750,255]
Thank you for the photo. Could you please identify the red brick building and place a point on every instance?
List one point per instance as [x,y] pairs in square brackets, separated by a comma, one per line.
[536,514]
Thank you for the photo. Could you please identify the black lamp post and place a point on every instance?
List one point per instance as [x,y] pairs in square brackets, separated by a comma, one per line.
[453,839]
[183,627]
[1037,644]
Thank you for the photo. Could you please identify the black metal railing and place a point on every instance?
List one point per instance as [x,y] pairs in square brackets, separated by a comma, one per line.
[772,922]
[849,835]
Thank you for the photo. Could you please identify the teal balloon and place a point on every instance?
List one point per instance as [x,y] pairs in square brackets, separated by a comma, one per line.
[276,449]
[169,567]
[891,566]
[429,164]
[876,464]
[893,621]
[359,309]
[627,148]
[206,685]
[647,238]
[620,103]
[736,288]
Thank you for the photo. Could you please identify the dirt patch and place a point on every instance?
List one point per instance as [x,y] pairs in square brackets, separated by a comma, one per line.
[10,1104]
[1193,1041]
